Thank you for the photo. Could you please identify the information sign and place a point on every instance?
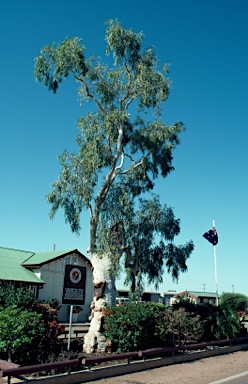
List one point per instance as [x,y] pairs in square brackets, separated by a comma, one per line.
[74,285]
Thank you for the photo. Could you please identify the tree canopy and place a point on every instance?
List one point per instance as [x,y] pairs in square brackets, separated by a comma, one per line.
[236,301]
[123,147]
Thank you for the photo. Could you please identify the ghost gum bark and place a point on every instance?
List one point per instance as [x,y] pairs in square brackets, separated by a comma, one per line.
[104,294]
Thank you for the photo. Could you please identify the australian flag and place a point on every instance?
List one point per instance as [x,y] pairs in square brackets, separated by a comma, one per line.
[211,236]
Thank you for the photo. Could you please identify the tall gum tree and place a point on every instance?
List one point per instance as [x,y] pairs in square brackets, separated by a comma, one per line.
[123,146]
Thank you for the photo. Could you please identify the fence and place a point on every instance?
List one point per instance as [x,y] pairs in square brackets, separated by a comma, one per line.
[13,371]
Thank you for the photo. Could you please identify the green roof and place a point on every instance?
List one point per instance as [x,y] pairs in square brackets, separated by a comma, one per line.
[40,258]
[202,294]
[44,257]
[14,263]
[11,268]
[197,294]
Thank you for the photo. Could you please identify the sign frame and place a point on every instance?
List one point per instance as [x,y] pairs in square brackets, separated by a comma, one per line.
[74,285]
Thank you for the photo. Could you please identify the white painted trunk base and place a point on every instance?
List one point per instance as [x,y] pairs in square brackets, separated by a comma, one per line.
[105,295]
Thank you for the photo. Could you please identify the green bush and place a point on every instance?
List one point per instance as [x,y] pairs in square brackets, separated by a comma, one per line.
[20,332]
[179,327]
[19,296]
[42,347]
[49,345]
[135,326]
[217,322]
[186,303]
[131,327]
[236,301]
[225,323]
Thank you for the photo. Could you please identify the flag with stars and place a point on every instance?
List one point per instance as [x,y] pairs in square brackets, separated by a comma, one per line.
[211,236]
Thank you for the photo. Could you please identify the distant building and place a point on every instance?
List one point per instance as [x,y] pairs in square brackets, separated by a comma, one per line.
[196,297]
[157,297]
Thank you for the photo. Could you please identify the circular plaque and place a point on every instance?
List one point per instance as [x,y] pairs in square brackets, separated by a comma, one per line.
[75,275]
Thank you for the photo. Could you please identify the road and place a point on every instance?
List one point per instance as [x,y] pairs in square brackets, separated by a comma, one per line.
[231,369]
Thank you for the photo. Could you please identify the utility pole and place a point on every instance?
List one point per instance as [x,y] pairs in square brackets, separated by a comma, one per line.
[233,288]
[204,286]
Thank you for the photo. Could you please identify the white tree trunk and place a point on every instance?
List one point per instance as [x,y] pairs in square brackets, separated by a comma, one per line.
[104,294]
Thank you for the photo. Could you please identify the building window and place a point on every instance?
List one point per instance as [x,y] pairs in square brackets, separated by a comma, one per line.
[71,259]
[205,300]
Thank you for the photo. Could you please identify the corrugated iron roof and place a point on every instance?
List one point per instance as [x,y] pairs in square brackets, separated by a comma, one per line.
[14,263]
[40,258]
[11,268]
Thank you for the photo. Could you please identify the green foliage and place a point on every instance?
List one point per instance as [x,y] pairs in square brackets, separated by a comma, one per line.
[131,327]
[20,296]
[19,331]
[217,322]
[183,327]
[186,303]
[49,343]
[69,56]
[122,150]
[148,235]
[236,301]
[36,340]
[137,326]
[225,323]
[135,293]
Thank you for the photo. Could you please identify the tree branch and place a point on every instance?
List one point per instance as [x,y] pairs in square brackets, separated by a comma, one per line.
[88,92]
[136,165]
[129,93]
[122,161]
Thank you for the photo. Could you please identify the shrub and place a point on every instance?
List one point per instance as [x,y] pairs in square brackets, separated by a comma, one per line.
[136,326]
[236,301]
[225,323]
[217,322]
[181,327]
[19,296]
[49,344]
[20,332]
[18,302]
[131,327]
[186,303]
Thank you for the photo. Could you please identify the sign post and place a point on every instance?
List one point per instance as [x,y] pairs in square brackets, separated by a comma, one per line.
[70,323]
[73,290]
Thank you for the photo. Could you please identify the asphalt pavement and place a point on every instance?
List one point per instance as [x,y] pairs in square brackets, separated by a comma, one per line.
[231,368]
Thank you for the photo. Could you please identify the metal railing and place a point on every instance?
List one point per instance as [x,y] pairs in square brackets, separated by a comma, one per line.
[89,362]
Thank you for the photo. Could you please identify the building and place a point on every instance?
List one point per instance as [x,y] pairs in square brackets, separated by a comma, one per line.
[157,297]
[196,297]
[44,274]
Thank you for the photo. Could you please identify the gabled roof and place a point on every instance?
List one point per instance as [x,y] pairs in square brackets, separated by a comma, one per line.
[11,268]
[15,263]
[41,258]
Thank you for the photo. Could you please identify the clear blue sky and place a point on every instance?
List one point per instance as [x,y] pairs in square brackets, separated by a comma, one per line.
[206,43]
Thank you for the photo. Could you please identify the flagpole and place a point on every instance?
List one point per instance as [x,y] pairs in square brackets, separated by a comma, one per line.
[215,269]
